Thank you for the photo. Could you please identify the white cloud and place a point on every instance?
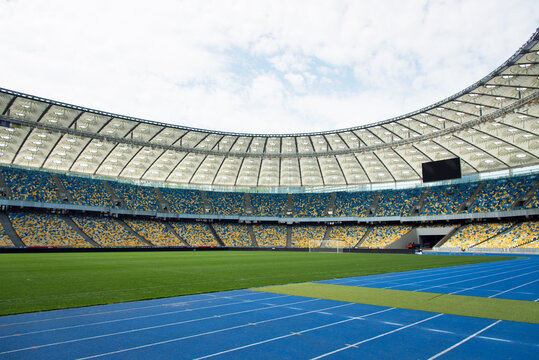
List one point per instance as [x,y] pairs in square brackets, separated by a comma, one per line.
[257,66]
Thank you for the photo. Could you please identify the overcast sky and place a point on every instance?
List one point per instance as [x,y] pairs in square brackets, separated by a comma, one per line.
[257,66]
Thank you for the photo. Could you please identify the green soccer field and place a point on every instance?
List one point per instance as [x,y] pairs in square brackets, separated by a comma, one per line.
[45,281]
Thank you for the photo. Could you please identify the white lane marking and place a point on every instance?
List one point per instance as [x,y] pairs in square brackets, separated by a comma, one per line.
[206,333]
[492,282]
[439,331]
[376,337]
[494,339]
[122,310]
[151,327]
[464,340]
[135,317]
[516,287]
[288,335]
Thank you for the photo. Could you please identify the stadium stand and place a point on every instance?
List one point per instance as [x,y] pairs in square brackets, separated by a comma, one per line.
[310,205]
[353,203]
[196,234]
[234,235]
[268,204]
[381,236]
[397,202]
[155,232]
[28,185]
[268,236]
[500,194]
[106,232]
[45,230]
[350,234]
[226,203]
[520,234]
[4,238]
[85,191]
[301,235]
[183,201]
[472,234]
[136,197]
[446,199]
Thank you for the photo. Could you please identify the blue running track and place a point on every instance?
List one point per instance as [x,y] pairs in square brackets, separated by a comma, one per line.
[247,324]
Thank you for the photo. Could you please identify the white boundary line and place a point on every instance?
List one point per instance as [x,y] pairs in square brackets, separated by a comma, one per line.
[464,340]
[291,334]
[375,337]
[211,297]
[210,332]
[140,317]
[152,327]
[516,287]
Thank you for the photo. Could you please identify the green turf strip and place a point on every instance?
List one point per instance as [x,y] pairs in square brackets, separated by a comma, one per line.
[500,309]
[45,281]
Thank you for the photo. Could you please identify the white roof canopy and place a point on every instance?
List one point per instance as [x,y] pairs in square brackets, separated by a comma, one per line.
[491,125]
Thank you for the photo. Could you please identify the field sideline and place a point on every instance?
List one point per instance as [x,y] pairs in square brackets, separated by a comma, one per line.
[46,281]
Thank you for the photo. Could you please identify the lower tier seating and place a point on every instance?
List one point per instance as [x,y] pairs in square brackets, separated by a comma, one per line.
[4,239]
[381,236]
[301,235]
[235,235]
[519,234]
[473,234]
[155,232]
[351,235]
[46,230]
[270,235]
[107,232]
[196,234]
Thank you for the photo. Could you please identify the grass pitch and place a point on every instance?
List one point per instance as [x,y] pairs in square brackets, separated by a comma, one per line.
[502,309]
[45,281]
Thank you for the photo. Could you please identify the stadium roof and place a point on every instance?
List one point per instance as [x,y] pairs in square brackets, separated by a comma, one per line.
[491,125]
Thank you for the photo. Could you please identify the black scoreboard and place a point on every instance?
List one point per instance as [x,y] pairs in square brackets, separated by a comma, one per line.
[441,170]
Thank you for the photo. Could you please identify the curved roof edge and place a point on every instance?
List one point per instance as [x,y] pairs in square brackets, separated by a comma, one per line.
[534,39]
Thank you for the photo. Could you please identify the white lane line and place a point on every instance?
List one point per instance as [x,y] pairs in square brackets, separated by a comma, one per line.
[516,287]
[432,273]
[376,337]
[490,272]
[464,340]
[208,333]
[494,339]
[469,279]
[439,331]
[150,327]
[137,317]
[288,335]
[492,282]
[121,310]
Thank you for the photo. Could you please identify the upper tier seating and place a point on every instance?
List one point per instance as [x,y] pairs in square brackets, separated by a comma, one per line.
[301,235]
[196,234]
[236,235]
[350,234]
[136,197]
[46,230]
[226,203]
[353,203]
[519,234]
[155,232]
[446,199]
[381,236]
[183,201]
[4,239]
[500,194]
[397,202]
[270,235]
[269,204]
[107,232]
[28,185]
[85,191]
[310,205]
[472,234]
